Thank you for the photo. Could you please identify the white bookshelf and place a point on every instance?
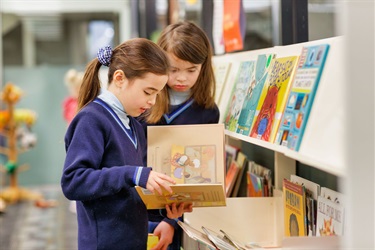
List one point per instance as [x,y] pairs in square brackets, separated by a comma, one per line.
[323,147]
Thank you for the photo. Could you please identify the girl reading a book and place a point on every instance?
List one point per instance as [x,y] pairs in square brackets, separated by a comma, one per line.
[191,97]
[105,147]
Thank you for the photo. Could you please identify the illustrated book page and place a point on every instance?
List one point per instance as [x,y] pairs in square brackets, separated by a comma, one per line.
[203,195]
[301,97]
[246,118]
[190,154]
[273,99]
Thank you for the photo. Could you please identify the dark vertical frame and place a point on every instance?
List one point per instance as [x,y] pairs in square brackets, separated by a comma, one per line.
[294,21]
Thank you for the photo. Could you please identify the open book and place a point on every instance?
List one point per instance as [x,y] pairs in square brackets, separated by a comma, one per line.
[193,155]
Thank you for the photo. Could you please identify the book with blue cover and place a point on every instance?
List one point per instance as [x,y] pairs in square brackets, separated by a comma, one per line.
[253,92]
[301,97]
[244,78]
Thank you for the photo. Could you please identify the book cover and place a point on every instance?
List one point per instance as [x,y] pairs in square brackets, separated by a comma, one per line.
[259,177]
[330,217]
[255,186]
[191,154]
[221,71]
[294,209]
[273,99]
[246,118]
[233,39]
[243,79]
[312,191]
[203,195]
[231,177]
[301,97]
[242,164]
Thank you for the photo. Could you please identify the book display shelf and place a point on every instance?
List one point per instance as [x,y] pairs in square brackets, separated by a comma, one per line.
[260,219]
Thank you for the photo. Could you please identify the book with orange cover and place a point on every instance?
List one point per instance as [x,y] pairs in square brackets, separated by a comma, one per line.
[231,177]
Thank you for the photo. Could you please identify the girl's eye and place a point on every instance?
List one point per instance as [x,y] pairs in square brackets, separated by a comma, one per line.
[192,70]
[147,93]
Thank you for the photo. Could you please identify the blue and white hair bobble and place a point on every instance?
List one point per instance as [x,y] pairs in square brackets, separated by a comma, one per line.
[104,55]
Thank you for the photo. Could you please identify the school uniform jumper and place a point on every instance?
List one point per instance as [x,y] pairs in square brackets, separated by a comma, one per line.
[103,164]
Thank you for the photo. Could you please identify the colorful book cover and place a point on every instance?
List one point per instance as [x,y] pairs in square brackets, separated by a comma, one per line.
[273,98]
[221,71]
[330,218]
[254,185]
[243,80]
[253,92]
[231,24]
[231,177]
[294,209]
[301,97]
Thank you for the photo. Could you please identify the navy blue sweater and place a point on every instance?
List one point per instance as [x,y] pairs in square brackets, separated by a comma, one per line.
[102,166]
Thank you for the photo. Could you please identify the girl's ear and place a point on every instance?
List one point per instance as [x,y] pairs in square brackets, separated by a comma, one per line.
[119,77]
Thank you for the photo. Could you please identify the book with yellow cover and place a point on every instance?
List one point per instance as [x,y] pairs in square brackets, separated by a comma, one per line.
[202,195]
[273,98]
[294,209]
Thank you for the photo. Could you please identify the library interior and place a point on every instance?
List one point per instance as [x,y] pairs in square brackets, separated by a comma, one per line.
[283,168]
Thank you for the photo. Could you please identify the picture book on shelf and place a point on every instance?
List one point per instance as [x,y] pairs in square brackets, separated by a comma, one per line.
[231,177]
[259,180]
[221,71]
[243,79]
[294,209]
[204,195]
[312,192]
[273,98]
[245,120]
[242,164]
[330,215]
[301,97]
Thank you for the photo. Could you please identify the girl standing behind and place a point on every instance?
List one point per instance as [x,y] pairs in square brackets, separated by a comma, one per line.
[105,147]
[191,97]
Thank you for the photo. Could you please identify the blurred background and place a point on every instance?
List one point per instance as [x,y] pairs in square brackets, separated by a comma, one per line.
[42,40]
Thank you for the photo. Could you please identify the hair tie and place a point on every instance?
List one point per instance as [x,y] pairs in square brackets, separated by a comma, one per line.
[104,55]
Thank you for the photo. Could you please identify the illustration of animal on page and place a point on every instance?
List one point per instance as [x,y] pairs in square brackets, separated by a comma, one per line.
[193,164]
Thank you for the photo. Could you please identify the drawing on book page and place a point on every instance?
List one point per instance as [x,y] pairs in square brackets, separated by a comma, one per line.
[193,164]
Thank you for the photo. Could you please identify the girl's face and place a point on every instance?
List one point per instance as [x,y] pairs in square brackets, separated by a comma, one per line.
[138,95]
[183,74]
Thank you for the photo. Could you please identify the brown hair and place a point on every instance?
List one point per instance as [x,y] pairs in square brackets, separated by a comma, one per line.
[135,57]
[190,43]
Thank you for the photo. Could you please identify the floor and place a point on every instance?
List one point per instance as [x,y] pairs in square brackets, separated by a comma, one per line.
[24,226]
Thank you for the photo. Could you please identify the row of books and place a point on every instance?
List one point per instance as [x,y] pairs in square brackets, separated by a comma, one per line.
[311,210]
[245,178]
[271,97]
